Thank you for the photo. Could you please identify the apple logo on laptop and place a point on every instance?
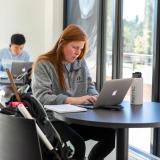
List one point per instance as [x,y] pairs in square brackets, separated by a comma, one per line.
[114,92]
[23,69]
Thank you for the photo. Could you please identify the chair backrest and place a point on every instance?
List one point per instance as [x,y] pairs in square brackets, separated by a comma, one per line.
[37,111]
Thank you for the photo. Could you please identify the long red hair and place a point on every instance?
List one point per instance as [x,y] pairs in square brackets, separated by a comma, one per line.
[71,33]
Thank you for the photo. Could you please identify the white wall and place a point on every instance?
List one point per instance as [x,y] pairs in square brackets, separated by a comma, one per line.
[53,22]
[39,20]
[58,19]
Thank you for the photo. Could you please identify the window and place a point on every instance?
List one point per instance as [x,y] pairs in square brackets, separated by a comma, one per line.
[108,30]
[125,30]
[138,22]
[85,13]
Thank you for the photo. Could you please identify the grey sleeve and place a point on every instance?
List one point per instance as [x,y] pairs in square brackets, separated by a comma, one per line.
[91,90]
[43,85]
[91,87]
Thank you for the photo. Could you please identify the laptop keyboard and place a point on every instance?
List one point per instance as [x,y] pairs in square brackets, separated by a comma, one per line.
[114,107]
[91,106]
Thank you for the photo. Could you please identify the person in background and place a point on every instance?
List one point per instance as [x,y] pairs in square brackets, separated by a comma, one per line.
[14,52]
[61,76]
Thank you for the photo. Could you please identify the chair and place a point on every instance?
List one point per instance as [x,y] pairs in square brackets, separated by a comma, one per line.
[61,148]
[56,145]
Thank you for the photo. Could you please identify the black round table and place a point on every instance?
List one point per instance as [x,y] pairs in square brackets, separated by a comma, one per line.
[144,116]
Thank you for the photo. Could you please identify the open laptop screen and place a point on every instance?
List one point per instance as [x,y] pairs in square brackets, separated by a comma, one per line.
[19,68]
[112,94]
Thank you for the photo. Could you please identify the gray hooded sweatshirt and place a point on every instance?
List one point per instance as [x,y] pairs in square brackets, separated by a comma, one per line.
[45,83]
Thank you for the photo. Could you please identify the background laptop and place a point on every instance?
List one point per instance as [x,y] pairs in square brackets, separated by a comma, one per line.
[112,94]
[19,68]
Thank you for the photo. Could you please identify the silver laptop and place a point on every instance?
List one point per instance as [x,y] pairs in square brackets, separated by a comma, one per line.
[112,94]
[19,68]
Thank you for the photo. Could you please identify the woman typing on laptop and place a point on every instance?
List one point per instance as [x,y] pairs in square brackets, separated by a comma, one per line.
[61,76]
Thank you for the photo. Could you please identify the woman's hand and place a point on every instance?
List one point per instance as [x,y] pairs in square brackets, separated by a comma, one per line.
[81,100]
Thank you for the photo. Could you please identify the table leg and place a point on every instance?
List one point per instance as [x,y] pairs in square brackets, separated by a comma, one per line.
[122,144]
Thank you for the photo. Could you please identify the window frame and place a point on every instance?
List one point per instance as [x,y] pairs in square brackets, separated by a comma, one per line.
[117,56]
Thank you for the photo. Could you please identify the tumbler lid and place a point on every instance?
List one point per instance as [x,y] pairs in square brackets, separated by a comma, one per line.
[137,75]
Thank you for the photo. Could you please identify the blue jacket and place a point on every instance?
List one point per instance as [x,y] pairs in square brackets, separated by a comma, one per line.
[46,88]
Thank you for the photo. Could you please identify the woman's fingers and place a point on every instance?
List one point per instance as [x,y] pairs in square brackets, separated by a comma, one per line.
[92,99]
